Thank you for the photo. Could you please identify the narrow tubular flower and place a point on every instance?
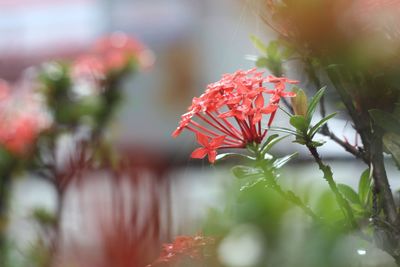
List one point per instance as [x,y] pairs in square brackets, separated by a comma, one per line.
[229,113]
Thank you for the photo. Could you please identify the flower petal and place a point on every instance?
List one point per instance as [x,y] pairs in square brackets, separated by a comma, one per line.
[202,139]
[199,153]
[177,132]
[212,154]
[217,141]
[269,109]
[259,102]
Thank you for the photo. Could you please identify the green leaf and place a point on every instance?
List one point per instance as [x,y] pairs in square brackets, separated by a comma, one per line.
[299,122]
[262,62]
[271,142]
[300,140]
[278,163]
[391,142]
[273,50]
[43,216]
[314,102]
[317,126]
[251,184]
[242,172]
[227,155]
[259,44]
[364,186]
[284,130]
[385,120]
[349,193]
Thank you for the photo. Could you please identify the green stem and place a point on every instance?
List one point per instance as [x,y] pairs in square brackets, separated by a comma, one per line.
[289,196]
[328,176]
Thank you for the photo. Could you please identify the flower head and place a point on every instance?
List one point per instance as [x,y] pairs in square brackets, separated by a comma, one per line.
[118,50]
[22,117]
[229,113]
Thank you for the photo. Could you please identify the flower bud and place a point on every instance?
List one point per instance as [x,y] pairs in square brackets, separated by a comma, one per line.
[299,102]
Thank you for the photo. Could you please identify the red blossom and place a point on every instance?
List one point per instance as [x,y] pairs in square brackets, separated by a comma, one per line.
[209,147]
[22,117]
[233,109]
[117,50]
[183,247]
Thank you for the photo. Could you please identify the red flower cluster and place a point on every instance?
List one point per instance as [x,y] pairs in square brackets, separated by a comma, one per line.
[22,117]
[233,107]
[184,247]
[112,53]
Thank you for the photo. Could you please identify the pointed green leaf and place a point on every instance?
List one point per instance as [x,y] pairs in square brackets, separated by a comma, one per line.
[259,44]
[242,172]
[227,155]
[364,186]
[273,50]
[314,102]
[321,123]
[284,130]
[349,193]
[282,161]
[299,122]
[270,143]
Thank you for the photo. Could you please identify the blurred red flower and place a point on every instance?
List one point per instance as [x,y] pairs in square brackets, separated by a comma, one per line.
[182,249]
[22,116]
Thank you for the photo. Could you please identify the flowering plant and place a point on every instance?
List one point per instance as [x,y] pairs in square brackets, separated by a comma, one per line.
[233,109]
[58,99]
[346,61]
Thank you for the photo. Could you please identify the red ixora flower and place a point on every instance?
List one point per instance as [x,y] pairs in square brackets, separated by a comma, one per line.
[233,109]
[183,247]
[19,127]
[117,50]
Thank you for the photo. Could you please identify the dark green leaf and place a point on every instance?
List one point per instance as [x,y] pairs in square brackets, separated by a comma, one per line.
[385,120]
[349,193]
[392,144]
[314,102]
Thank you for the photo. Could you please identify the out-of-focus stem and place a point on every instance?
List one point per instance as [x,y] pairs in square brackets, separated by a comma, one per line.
[328,176]
[287,195]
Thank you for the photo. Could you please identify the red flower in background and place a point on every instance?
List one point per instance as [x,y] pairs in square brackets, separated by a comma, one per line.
[117,51]
[233,109]
[184,248]
[22,116]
